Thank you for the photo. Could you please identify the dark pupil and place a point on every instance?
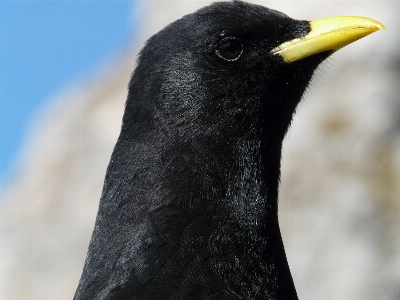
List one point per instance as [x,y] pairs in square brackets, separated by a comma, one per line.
[230,49]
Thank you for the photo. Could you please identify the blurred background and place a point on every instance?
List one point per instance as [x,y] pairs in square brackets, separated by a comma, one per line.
[65,67]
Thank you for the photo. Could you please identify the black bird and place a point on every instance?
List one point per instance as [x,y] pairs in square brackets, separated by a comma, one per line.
[189,205]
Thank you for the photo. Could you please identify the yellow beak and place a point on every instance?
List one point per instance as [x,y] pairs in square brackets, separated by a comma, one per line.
[329,34]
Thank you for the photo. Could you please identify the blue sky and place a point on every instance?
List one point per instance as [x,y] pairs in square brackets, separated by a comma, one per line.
[43,46]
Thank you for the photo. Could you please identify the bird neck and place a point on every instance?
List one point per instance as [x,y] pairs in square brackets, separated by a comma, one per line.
[215,199]
[239,201]
[259,207]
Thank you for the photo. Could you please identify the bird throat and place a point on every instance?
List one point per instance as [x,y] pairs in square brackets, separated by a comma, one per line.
[234,228]
[253,200]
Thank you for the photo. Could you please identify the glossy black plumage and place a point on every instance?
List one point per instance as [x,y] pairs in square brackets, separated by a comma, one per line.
[189,205]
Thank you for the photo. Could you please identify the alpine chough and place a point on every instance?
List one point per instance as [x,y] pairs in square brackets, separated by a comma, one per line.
[189,204]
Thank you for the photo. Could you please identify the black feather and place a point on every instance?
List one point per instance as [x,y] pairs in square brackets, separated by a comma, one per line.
[189,205]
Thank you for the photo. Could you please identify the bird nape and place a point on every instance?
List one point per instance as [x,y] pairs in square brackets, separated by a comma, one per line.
[189,204]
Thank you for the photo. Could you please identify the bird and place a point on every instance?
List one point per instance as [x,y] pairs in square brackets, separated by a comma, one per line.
[189,208]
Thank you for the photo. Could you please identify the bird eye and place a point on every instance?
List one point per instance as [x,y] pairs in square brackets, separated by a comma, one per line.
[230,49]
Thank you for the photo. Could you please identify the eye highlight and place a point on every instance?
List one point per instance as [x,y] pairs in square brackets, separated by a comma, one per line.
[230,48]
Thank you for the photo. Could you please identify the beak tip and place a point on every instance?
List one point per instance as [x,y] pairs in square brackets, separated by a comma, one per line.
[381,26]
[375,24]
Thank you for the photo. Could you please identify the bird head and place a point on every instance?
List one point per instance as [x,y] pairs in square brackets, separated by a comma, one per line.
[233,69]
